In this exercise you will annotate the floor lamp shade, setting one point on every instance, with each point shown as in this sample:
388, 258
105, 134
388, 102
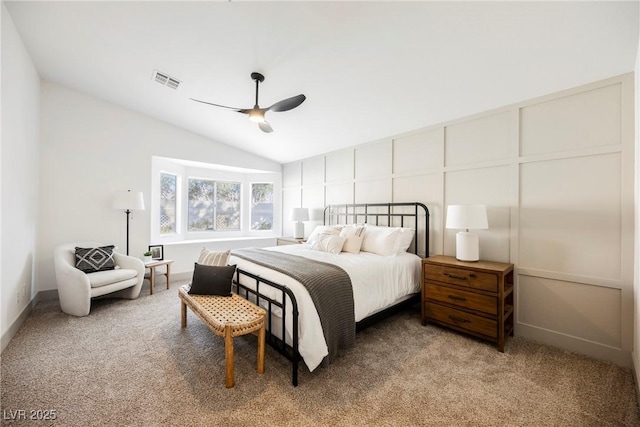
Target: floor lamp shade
128, 201
467, 217
299, 215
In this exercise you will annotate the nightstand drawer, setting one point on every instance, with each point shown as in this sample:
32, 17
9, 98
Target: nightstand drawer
462, 277
462, 319
460, 298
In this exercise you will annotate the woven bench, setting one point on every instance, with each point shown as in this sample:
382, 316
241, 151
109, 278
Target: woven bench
228, 317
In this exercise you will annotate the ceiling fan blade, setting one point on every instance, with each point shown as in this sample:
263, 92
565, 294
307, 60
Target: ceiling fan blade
218, 105
288, 104
265, 127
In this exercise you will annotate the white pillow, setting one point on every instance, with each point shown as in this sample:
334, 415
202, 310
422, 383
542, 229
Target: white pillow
354, 236
380, 240
331, 229
406, 237
329, 243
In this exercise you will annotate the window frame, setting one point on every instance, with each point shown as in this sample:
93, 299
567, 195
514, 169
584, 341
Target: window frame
273, 196
185, 171
177, 208
215, 202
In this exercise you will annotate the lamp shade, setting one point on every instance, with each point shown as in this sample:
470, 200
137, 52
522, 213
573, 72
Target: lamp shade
467, 217
127, 200
300, 214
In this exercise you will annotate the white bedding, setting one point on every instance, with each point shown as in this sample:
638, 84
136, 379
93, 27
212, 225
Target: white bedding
378, 281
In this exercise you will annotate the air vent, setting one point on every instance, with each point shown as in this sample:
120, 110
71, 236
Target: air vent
173, 83
165, 79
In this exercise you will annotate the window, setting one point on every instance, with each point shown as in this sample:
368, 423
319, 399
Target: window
168, 203
262, 206
199, 202
213, 205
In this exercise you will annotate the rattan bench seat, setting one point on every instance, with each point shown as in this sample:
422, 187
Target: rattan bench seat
227, 317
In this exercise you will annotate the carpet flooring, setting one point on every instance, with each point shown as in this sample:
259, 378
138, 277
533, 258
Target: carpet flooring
130, 364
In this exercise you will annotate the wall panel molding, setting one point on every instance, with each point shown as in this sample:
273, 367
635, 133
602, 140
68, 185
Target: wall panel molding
557, 175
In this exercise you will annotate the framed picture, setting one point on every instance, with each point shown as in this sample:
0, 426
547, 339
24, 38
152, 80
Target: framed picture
157, 252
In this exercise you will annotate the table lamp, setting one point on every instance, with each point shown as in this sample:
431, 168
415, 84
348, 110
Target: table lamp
467, 217
299, 215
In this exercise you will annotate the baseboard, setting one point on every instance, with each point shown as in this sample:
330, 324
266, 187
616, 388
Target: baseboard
636, 379
186, 275
17, 324
50, 295
614, 355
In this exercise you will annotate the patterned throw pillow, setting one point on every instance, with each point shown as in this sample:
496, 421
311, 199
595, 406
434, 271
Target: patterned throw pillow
91, 260
333, 230
328, 242
208, 257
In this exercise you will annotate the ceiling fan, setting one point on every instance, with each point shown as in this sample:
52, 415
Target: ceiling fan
256, 114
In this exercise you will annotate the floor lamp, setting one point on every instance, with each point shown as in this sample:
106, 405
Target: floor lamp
128, 201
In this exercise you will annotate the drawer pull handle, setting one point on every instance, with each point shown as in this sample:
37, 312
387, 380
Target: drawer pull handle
458, 319
455, 276
457, 298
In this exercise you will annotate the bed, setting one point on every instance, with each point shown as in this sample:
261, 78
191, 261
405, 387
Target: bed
312, 314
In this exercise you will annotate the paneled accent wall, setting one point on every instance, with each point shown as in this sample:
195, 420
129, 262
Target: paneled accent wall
556, 174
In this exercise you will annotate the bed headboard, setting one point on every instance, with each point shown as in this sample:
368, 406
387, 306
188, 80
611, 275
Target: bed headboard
409, 214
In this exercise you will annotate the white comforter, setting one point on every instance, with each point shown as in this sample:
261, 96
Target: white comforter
378, 282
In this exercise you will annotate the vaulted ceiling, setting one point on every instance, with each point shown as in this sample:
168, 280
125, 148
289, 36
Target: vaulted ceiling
369, 70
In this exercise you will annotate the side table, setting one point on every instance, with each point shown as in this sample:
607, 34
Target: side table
152, 272
282, 241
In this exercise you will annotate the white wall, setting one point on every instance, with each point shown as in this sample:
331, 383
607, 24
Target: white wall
90, 149
556, 173
19, 174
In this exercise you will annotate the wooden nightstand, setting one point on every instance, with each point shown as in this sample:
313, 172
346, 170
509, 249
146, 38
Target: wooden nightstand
471, 297
281, 241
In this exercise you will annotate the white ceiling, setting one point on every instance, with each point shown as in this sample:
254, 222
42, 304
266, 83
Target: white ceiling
369, 69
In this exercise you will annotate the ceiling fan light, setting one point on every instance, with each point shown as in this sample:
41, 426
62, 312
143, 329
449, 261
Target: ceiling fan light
256, 116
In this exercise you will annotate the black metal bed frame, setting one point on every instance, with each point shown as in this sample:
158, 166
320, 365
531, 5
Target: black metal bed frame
382, 212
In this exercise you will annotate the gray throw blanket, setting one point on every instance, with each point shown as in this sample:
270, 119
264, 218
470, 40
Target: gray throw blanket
329, 287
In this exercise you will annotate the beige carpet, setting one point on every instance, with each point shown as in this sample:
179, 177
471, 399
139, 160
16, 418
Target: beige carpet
130, 363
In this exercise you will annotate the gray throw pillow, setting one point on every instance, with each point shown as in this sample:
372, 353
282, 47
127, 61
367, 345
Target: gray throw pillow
212, 280
91, 260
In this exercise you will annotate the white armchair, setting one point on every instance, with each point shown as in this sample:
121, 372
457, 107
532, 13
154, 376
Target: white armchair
76, 288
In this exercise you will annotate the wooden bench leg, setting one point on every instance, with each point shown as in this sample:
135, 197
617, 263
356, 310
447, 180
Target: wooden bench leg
183, 314
228, 355
261, 340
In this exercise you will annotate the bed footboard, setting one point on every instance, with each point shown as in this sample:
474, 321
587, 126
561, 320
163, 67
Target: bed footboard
256, 294
277, 297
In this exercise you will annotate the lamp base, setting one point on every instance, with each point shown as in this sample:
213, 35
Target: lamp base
298, 230
467, 246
